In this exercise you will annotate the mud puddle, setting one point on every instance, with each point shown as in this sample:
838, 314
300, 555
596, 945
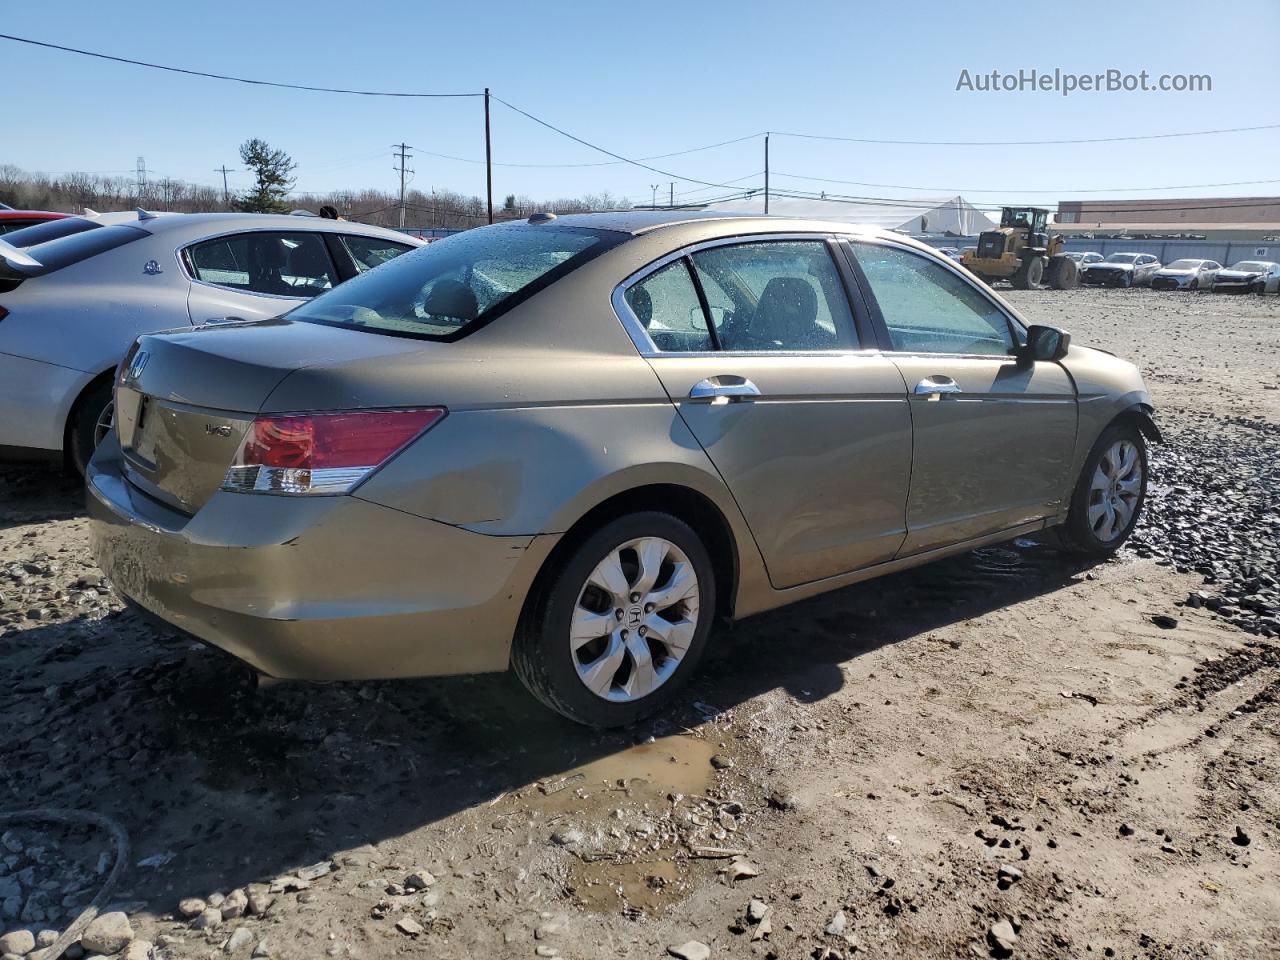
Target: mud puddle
647, 772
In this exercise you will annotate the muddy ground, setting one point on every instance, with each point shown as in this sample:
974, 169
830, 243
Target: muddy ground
1001, 744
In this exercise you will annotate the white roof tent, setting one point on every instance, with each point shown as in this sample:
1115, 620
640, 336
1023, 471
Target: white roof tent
953, 215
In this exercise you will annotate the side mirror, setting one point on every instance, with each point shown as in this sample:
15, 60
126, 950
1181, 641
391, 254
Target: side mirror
1044, 343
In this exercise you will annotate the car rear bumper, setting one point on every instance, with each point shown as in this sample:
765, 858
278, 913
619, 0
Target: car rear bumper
35, 398
314, 588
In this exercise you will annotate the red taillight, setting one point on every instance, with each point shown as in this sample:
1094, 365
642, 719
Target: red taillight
322, 452
3, 313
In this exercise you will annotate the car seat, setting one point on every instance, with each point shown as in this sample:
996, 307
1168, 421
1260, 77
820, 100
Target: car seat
786, 317
266, 257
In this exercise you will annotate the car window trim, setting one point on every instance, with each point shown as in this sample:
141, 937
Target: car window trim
1016, 329
188, 267
647, 348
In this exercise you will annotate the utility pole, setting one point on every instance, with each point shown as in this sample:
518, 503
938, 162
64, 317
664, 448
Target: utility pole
402, 153
766, 173
653, 200
488, 156
226, 194
672, 201
142, 179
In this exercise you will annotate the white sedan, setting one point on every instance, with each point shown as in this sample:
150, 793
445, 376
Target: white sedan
1186, 275
76, 292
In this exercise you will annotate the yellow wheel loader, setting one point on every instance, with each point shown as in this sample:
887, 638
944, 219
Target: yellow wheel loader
1022, 252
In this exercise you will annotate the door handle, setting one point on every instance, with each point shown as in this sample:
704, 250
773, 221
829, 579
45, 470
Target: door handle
726, 388
933, 387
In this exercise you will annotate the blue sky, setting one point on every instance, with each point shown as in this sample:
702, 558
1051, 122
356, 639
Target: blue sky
650, 79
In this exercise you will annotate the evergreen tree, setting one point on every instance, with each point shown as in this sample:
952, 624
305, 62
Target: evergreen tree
272, 169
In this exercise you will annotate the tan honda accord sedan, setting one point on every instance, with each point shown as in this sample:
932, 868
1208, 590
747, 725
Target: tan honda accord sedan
567, 446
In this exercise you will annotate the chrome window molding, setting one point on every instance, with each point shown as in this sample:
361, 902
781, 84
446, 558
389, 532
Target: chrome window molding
640, 336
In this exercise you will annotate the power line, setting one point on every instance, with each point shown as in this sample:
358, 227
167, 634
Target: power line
907, 202
1024, 143
608, 153
223, 76
599, 163
1015, 192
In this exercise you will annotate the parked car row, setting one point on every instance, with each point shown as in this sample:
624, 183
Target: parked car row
76, 291
1144, 269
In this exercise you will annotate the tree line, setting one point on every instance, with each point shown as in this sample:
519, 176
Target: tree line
272, 192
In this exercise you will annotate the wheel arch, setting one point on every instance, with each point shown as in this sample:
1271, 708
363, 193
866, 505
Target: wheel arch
1140, 416
73, 411
696, 509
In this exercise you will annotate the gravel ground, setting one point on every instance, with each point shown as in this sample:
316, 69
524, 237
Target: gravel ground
1001, 754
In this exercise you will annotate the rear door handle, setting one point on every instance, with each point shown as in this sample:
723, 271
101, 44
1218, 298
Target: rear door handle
726, 388
933, 387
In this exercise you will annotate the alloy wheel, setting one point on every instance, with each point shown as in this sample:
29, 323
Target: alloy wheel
1115, 490
106, 420
634, 619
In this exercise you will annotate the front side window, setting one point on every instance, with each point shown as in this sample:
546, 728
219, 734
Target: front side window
666, 304
267, 262
775, 295
928, 308
369, 252
458, 283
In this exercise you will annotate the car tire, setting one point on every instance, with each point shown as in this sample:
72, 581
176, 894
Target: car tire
601, 679
1195, 285
1029, 274
92, 418
1109, 494
1127, 281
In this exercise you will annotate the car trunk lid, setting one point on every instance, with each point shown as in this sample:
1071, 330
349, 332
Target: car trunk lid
184, 401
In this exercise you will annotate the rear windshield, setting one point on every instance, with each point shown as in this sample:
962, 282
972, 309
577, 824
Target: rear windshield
49, 230
457, 284
65, 251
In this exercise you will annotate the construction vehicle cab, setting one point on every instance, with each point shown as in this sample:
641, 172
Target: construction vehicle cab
1022, 252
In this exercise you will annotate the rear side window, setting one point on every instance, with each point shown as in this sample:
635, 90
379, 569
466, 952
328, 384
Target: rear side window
265, 262
66, 251
369, 252
929, 309
666, 304
444, 291
49, 230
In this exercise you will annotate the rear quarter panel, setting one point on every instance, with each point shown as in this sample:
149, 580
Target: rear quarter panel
86, 315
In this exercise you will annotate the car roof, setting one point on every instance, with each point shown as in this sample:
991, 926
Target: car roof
638, 222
